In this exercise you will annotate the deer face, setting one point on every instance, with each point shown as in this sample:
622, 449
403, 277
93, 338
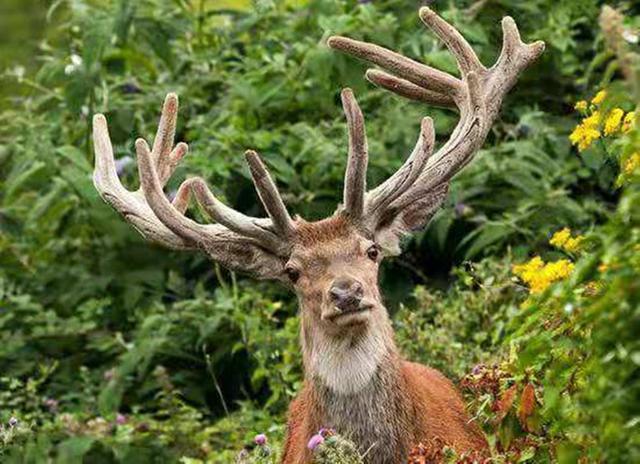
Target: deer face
334, 271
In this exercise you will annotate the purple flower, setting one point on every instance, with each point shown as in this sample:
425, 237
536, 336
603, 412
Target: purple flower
460, 209
260, 439
171, 195
315, 441
51, 404
13, 422
477, 369
121, 419
326, 432
122, 163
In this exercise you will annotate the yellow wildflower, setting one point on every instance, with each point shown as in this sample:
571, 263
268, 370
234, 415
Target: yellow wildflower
612, 123
573, 244
527, 270
631, 164
564, 241
581, 106
629, 121
539, 276
585, 133
592, 121
560, 237
599, 98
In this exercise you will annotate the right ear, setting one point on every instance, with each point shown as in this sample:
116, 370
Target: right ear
409, 219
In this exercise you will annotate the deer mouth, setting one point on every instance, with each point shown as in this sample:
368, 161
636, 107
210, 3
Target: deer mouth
351, 315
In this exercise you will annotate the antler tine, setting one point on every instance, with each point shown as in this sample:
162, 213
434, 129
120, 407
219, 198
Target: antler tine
158, 202
465, 56
379, 198
129, 204
269, 195
163, 141
407, 89
222, 214
406, 68
355, 178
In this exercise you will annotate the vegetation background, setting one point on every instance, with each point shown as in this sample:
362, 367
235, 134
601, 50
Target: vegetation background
116, 351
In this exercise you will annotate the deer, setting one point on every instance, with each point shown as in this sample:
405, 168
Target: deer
355, 379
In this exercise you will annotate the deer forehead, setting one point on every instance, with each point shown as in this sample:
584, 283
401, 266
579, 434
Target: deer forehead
325, 242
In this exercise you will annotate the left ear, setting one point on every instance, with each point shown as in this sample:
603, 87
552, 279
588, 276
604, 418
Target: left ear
409, 219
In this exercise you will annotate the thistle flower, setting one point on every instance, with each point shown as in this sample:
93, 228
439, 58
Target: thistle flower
315, 441
109, 375
51, 404
121, 419
260, 439
477, 369
122, 163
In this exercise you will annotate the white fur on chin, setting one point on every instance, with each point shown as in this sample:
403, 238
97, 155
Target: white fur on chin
347, 364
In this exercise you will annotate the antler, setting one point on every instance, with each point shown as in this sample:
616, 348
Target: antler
413, 194
236, 236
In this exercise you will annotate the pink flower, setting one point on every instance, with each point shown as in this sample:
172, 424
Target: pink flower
51, 404
121, 419
326, 432
315, 441
260, 439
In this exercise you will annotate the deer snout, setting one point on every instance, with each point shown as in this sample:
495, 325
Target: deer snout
346, 293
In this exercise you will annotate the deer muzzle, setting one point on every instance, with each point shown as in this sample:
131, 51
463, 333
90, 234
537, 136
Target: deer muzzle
346, 294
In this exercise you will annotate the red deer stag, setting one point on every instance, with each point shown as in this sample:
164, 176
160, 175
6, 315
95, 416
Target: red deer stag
356, 381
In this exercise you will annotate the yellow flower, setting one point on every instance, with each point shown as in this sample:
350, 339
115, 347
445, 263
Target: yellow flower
564, 241
581, 105
592, 121
539, 276
631, 164
585, 133
573, 244
629, 121
612, 123
560, 237
599, 98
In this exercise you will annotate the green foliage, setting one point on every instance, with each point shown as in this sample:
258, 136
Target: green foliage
116, 350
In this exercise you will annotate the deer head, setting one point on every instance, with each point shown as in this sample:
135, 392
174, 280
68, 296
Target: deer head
331, 264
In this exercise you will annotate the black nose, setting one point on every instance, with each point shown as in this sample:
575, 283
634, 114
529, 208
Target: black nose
346, 293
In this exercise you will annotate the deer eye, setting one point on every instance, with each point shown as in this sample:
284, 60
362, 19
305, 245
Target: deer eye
373, 252
292, 273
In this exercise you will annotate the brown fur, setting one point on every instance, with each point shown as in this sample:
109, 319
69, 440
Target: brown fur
423, 406
355, 380
311, 233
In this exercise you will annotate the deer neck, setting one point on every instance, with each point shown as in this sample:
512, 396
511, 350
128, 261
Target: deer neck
377, 417
348, 363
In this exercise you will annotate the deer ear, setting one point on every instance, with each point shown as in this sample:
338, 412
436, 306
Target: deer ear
408, 219
248, 258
